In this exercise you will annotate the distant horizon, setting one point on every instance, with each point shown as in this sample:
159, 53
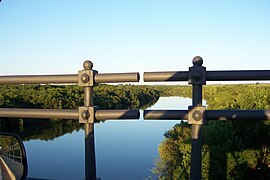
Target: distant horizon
56, 37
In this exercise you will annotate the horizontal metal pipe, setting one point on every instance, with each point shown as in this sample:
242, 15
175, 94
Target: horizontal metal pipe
166, 114
247, 75
135, 77
117, 77
134, 114
116, 114
166, 76
39, 113
241, 75
210, 114
39, 79
238, 114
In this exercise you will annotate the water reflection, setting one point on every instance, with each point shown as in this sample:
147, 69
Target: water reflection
125, 149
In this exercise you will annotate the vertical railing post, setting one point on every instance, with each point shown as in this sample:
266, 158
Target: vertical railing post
197, 77
86, 79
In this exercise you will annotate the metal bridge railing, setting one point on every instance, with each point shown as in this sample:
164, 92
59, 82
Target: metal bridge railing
88, 114
197, 114
13, 152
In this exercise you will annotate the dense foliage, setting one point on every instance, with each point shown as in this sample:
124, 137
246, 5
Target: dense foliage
66, 97
125, 96
71, 97
173, 90
232, 149
240, 96
249, 96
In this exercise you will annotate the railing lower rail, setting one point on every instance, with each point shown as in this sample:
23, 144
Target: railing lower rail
87, 114
100, 115
197, 114
209, 114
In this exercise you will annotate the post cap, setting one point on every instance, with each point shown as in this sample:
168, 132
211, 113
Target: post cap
87, 64
197, 61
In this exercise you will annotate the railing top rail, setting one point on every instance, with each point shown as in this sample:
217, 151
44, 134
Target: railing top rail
69, 78
73, 78
39, 79
117, 77
231, 75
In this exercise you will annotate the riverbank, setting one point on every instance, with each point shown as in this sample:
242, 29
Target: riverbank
66, 97
232, 149
71, 96
234, 96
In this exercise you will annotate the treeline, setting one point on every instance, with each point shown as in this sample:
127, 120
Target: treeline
232, 149
66, 97
125, 96
173, 90
71, 97
238, 96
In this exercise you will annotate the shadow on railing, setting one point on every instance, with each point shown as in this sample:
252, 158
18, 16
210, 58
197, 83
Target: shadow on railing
196, 114
87, 114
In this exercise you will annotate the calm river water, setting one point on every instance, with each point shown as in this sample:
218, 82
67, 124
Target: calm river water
125, 149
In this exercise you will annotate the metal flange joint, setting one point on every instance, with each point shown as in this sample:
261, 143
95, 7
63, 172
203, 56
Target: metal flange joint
87, 114
196, 115
86, 77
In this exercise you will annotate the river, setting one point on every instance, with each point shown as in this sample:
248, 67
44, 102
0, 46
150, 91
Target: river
125, 149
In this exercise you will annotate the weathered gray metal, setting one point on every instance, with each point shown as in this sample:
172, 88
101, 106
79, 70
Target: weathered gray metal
196, 115
69, 78
166, 76
83, 78
86, 80
39, 79
87, 114
247, 75
39, 113
117, 77
237, 115
235, 75
209, 114
197, 77
117, 114
166, 114
100, 115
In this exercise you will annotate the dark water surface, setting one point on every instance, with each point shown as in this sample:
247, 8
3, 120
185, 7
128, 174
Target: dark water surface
125, 149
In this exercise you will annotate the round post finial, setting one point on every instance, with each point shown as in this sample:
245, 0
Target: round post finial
87, 64
197, 61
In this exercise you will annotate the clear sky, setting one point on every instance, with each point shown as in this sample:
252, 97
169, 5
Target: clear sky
56, 36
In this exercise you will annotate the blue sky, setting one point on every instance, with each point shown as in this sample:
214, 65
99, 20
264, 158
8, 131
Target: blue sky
49, 36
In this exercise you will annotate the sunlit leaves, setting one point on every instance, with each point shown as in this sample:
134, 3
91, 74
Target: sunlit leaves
232, 149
